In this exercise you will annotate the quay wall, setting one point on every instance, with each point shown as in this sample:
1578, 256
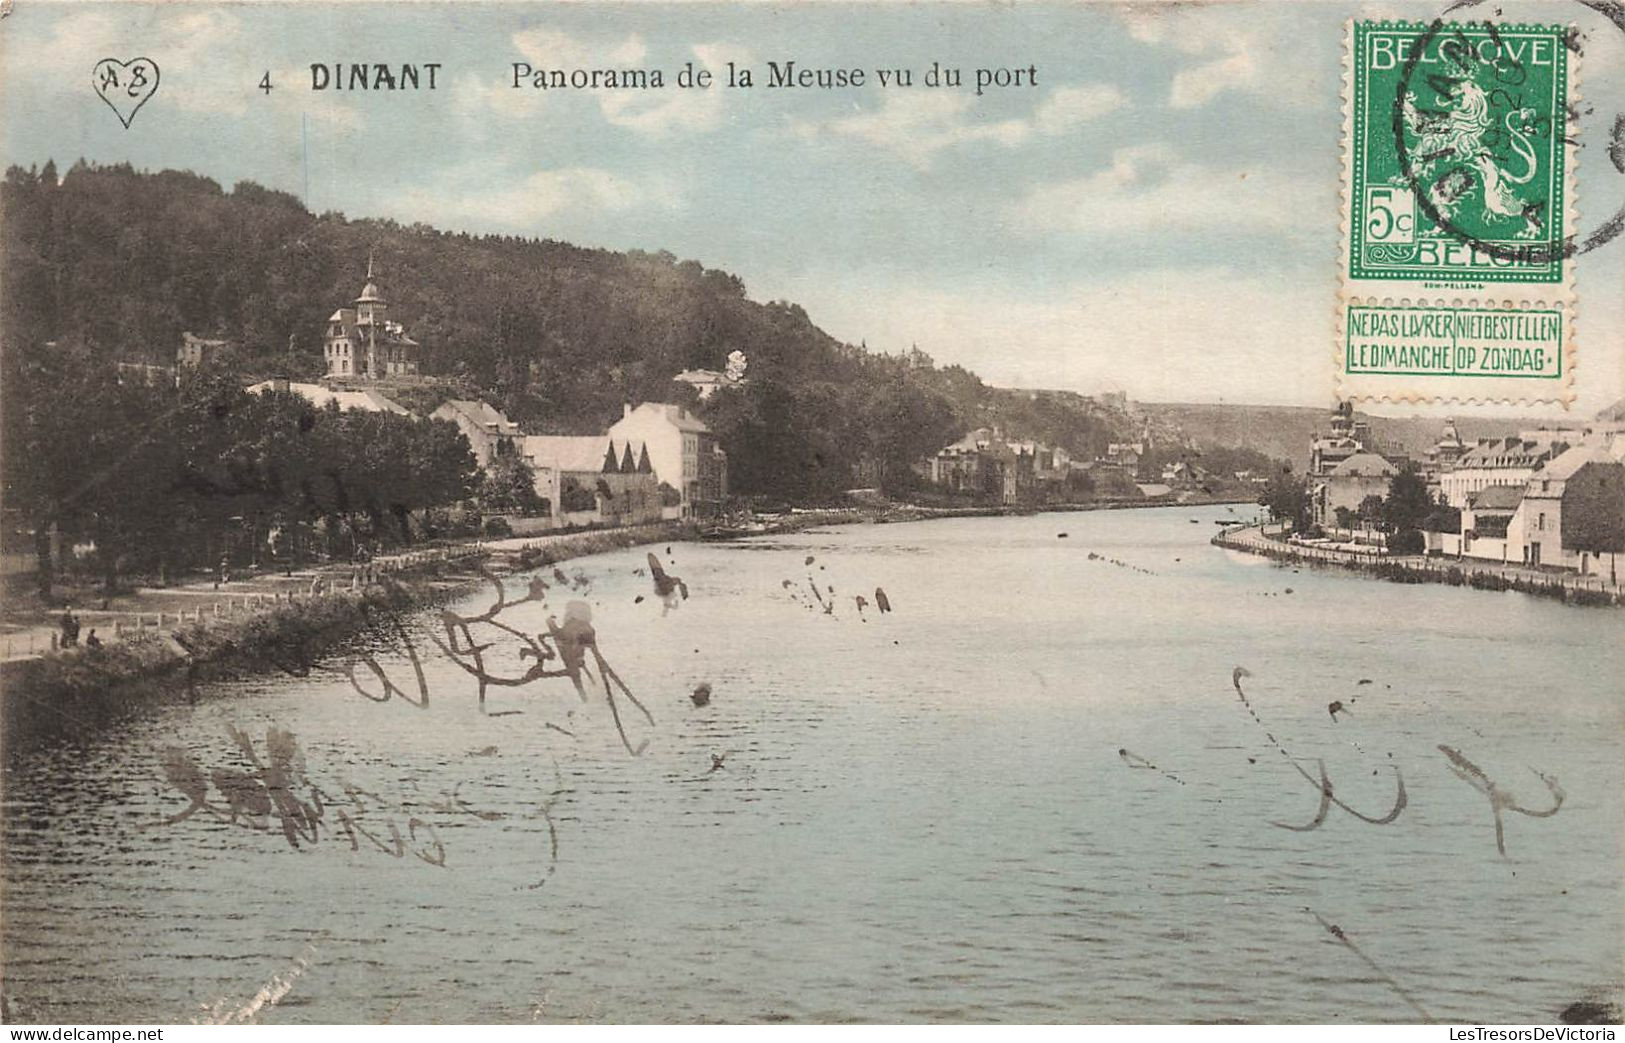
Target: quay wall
1569, 587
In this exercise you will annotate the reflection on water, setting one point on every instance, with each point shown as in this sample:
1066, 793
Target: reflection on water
1036, 789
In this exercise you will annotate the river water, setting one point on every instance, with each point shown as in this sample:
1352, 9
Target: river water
1029, 792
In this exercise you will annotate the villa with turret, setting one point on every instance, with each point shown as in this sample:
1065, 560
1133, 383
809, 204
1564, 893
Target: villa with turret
362, 342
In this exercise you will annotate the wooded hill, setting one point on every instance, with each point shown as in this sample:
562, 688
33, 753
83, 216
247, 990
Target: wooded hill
117, 263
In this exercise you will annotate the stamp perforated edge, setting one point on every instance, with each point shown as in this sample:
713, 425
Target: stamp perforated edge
1487, 389
1562, 295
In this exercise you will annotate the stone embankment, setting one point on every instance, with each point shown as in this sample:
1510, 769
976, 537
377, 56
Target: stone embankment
1563, 585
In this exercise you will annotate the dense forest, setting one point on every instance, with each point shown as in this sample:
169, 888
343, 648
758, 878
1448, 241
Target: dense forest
113, 264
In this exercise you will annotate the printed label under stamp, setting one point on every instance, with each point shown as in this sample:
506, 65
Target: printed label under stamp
1458, 198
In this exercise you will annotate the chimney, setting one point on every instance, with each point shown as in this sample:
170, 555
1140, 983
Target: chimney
626, 410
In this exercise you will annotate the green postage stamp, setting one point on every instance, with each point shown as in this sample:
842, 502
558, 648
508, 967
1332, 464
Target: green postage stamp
1458, 200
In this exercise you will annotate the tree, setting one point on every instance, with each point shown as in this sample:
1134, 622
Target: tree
1443, 517
509, 487
1286, 497
1594, 508
1407, 502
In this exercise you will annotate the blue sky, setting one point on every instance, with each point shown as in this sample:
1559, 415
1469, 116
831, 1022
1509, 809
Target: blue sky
1158, 215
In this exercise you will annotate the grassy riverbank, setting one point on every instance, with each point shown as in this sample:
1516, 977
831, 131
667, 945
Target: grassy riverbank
74, 690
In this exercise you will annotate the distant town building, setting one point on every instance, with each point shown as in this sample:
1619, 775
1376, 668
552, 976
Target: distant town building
145, 373
1182, 474
490, 434
707, 382
1125, 454
195, 351
322, 397
1347, 484
968, 467
363, 342
1495, 461
1108, 480
1074, 399
986, 464
682, 450
1448, 449
1347, 437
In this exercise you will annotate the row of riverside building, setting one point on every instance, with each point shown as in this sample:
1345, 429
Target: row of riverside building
987, 465
1550, 497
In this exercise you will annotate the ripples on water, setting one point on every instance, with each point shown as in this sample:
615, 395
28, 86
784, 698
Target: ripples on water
920, 816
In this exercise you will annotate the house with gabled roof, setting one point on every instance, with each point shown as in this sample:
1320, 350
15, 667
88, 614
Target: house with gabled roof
589, 479
489, 432
1572, 515
682, 450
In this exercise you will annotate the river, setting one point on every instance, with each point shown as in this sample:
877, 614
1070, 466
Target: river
1032, 791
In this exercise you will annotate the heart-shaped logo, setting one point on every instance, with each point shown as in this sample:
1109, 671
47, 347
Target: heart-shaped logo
125, 86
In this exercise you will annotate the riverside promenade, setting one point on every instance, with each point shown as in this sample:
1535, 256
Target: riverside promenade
1419, 568
156, 610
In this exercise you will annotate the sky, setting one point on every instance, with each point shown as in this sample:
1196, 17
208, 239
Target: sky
1157, 215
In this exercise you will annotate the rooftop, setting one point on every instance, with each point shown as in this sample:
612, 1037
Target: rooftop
1367, 465
567, 452
321, 397
1496, 498
679, 417
1509, 452
1569, 461
482, 413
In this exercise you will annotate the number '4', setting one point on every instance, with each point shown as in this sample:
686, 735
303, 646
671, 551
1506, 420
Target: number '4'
265, 82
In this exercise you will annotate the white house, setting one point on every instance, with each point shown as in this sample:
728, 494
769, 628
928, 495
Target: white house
682, 450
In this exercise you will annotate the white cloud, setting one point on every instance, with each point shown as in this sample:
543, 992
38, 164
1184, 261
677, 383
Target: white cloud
1152, 187
676, 110
541, 195
1235, 48
475, 95
1197, 85
918, 125
1069, 107
551, 49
